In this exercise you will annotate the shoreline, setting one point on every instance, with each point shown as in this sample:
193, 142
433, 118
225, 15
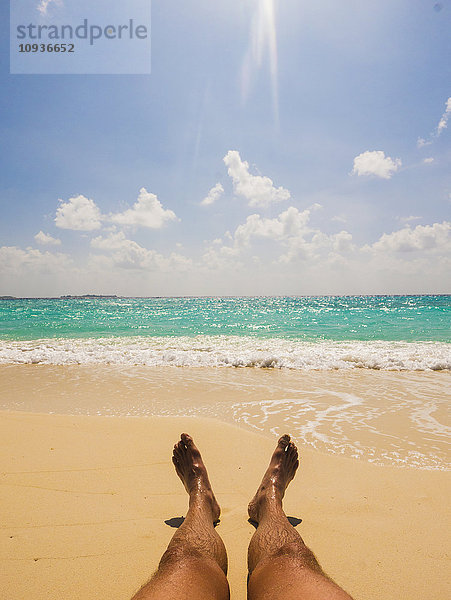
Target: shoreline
83, 498
377, 416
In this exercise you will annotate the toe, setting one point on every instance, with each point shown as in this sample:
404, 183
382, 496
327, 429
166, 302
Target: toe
291, 449
176, 464
186, 439
178, 453
284, 441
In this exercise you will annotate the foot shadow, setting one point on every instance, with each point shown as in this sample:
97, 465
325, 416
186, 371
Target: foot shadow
294, 521
177, 521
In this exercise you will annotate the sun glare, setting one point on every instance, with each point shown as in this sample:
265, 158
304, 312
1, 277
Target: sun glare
262, 45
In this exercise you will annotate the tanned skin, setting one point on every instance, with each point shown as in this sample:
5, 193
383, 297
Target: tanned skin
194, 566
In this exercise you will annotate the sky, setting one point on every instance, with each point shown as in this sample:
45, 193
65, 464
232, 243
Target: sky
276, 148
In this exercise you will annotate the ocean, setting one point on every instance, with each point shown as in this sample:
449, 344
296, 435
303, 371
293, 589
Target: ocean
375, 332
364, 376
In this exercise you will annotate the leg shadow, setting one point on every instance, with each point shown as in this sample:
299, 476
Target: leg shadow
177, 521
294, 521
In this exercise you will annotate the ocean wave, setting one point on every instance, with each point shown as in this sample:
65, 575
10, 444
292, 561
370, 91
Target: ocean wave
230, 351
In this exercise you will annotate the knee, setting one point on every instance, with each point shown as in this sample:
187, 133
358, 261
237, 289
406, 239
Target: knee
178, 555
298, 552
295, 553
192, 570
181, 557
183, 575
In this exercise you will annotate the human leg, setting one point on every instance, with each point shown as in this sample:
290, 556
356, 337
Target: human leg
194, 565
280, 564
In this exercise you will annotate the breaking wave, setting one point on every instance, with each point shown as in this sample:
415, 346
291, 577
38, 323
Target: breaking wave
231, 351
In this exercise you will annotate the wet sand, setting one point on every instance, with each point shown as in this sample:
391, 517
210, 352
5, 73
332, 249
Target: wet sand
384, 417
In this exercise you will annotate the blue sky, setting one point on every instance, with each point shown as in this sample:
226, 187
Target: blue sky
322, 129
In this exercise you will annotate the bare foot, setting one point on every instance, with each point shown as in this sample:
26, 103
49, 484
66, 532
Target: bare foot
193, 473
281, 470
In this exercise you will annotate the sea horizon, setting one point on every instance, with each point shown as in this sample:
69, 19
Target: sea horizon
88, 295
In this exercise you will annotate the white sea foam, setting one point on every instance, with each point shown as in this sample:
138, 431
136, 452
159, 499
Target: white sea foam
352, 425
231, 351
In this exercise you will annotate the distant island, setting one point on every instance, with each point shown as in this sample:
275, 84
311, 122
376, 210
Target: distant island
66, 297
69, 297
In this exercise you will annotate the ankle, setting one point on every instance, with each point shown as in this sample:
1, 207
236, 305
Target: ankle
269, 505
270, 494
201, 500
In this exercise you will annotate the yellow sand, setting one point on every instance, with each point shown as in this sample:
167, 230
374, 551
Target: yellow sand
408, 408
84, 502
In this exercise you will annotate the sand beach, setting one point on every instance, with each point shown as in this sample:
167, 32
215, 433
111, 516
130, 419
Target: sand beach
89, 501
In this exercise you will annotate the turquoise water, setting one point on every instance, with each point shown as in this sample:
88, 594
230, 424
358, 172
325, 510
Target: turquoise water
372, 332
362, 318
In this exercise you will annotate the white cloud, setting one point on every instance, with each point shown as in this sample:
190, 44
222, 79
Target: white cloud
82, 214
213, 195
256, 189
409, 219
287, 229
129, 254
16, 259
115, 241
32, 272
78, 213
146, 212
375, 163
316, 206
443, 123
421, 142
340, 242
321, 246
290, 230
44, 4
290, 223
46, 239
124, 252
428, 161
221, 258
422, 238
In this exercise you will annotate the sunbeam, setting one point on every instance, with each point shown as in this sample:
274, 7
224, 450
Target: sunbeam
262, 42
